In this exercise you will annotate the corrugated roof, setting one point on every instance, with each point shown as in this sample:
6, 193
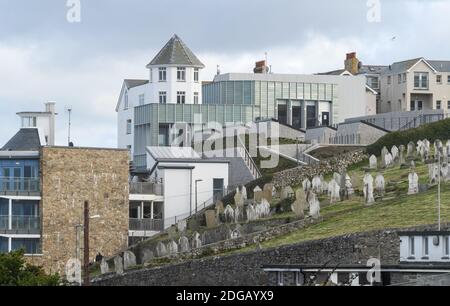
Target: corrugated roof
159, 153
175, 52
24, 140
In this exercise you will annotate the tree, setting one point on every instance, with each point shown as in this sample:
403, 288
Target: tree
14, 271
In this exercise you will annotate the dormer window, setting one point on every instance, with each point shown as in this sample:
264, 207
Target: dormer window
162, 74
181, 74
29, 122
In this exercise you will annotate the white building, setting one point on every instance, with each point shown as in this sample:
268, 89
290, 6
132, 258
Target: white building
44, 122
425, 247
174, 78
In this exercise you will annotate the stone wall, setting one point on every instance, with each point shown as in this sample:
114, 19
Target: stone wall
245, 269
71, 176
295, 176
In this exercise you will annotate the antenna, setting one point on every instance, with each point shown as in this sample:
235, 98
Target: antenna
69, 111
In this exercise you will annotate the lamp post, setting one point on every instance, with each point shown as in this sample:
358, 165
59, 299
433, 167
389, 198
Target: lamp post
438, 153
196, 202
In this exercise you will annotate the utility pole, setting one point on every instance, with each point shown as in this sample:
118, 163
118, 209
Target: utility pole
438, 153
196, 202
86, 281
69, 110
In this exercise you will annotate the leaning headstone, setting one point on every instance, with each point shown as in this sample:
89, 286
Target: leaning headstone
380, 185
368, 189
314, 207
373, 163
129, 260
306, 185
172, 247
118, 265
184, 244
196, 241
413, 179
104, 266
257, 194
298, 207
229, 214
268, 192
161, 250
317, 184
394, 152
211, 218
239, 199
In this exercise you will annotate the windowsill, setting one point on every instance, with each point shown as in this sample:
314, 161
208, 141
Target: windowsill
445, 258
411, 257
425, 258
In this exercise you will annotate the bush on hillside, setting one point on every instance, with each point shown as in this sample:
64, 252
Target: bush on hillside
436, 130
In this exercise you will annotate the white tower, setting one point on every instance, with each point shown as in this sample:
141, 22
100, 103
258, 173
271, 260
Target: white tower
43, 121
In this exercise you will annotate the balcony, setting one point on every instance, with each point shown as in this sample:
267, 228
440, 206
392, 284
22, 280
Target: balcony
20, 225
147, 188
146, 225
19, 186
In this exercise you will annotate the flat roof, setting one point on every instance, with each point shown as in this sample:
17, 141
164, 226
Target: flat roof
277, 77
170, 153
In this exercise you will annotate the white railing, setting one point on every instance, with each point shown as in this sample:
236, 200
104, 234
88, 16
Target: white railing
249, 162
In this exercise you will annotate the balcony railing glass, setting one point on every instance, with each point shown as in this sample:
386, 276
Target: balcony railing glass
20, 224
147, 188
146, 225
19, 185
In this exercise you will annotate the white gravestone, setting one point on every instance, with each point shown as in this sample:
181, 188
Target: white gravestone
413, 179
380, 184
368, 189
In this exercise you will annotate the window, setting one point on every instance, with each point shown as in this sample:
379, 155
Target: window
162, 74
389, 80
446, 246
373, 82
218, 188
399, 78
404, 77
419, 105
413, 105
181, 97
29, 245
128, 126
412, 248
426, 251
29, 122
195, 97
141, 99
125, 103
4, 245
280, 278
421, 80
438, 104
181, 74
196, 73
162, 97
439, 79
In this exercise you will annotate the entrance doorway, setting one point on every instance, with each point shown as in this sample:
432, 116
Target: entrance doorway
297, 117
325, 118
310, 116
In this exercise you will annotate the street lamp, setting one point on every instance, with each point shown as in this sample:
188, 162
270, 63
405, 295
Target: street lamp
196, 203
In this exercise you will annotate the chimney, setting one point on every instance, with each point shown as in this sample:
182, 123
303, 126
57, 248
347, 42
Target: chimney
261, 67
50, 108
351, 63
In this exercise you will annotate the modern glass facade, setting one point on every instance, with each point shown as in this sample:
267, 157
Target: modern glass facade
19, 176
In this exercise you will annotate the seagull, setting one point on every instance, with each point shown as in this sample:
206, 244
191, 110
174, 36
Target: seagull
394, 38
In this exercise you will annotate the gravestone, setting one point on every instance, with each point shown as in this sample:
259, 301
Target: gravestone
433, 173
257, 194
235, 233
334, 189
394, 152
229, 214
184, 244
368, 189
410, 150
314, 207
104, 266
239, 200
262, 209
219, 208
349, 186
118, 265
196, 241
384, 152
413, 180
147, 255
380, 185
298, 207
401, 155
317, 184
129, 260
268, 192
306, 185
172, 247
161, 250
287, 193
337, 177
181, 225
211, 218
324, 186
389, 161
238, 214
251, 213
373, 162
244, 192
445, 172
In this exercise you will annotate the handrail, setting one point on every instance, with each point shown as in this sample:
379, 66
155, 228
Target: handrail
248, 159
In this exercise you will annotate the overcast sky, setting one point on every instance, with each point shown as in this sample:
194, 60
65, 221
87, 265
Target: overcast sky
44, 57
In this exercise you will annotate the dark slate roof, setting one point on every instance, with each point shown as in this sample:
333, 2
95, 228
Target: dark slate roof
175, 52
24, 140
135, 83
334, 72
375, 69
441, 66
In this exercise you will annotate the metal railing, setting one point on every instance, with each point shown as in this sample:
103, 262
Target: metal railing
146, 225
423, 119
20, 224
251, 165
147, 188
19, 185
349, 139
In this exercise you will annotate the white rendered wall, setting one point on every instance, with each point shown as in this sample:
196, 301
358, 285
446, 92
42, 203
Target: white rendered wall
436, 252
